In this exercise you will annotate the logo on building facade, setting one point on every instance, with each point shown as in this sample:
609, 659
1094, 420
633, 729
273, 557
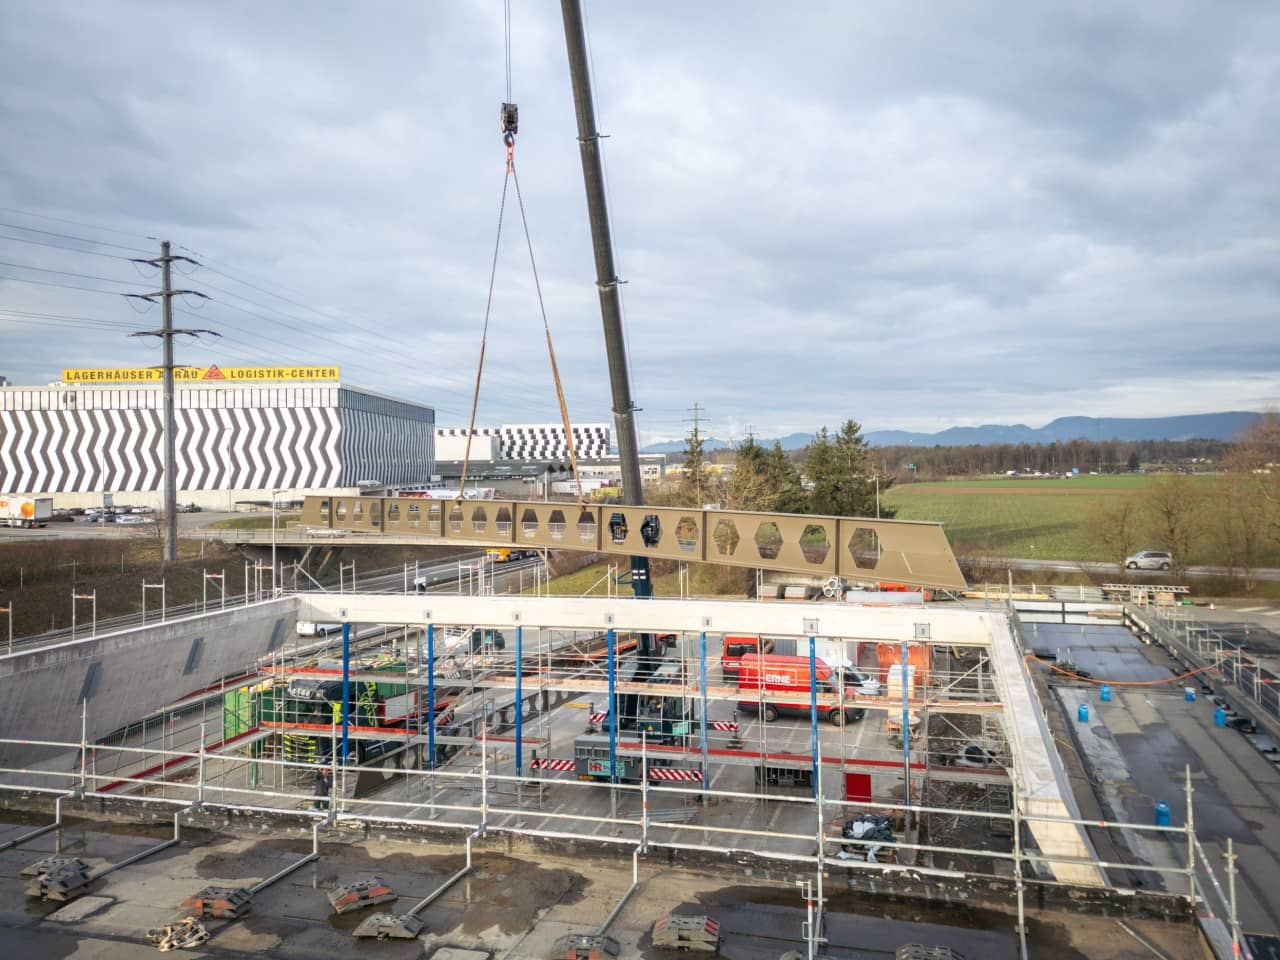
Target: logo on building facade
198, 374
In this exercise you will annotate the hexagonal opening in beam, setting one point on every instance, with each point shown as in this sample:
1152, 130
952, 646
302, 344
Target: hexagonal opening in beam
556, 524
768, 540
529, 523
687, 534
586, 526
618, 527
479, 520
651, 530
455, 519
864, 548
726, 537
814, 544
502, 522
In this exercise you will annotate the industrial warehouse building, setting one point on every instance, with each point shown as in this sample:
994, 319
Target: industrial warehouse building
527, 442
242, 433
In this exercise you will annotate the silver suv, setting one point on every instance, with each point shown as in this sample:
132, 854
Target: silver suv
1149, 560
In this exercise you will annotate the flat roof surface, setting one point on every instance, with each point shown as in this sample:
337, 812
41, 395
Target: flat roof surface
1137, 747
511, 906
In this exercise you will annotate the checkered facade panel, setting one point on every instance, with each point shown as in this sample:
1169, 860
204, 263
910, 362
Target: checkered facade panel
538, 441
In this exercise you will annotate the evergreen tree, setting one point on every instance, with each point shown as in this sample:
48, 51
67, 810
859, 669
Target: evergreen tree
765, 480
841, 471
694, 485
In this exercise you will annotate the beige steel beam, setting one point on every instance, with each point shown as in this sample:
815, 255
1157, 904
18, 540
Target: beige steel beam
909, 552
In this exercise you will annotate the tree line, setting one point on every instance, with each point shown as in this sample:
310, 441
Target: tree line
835, 475
1106, 456
1231, 518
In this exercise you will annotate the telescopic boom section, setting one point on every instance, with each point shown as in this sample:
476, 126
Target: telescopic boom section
606, 274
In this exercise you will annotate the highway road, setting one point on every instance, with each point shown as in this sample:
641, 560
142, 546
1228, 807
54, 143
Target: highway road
1109, 569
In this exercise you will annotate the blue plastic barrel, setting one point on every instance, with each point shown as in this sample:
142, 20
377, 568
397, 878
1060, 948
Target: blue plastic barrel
1082, 713
1104, 692
1162, 814
1190, 694
1219, 717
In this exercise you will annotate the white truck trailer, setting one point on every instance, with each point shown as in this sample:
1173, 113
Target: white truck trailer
29, 512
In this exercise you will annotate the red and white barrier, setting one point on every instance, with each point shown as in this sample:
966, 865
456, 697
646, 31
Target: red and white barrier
675, 774
549, 763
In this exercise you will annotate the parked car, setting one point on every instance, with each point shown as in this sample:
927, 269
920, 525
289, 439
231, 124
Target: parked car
133, 518
862, 683
1149, 560
973, 755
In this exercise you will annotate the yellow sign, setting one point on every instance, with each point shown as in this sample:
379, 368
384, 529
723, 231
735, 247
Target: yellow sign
212, 374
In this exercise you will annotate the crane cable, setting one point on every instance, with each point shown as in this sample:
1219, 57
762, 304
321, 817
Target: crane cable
509, 129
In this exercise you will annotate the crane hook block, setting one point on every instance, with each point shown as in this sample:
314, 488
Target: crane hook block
510, 120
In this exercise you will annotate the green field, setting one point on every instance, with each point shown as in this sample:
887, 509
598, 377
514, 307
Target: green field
1026, 518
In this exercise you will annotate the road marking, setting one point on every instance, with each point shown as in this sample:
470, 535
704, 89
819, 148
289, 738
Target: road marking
1255, 610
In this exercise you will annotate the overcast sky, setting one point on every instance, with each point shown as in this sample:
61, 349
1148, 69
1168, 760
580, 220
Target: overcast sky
917, 215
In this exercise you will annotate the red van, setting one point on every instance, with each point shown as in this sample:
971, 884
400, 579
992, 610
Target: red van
735, 647
790, 675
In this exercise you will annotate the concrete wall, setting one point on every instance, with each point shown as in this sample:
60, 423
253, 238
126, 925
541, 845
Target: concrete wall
127, 675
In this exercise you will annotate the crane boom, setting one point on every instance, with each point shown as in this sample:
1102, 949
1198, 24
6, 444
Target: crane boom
624, 408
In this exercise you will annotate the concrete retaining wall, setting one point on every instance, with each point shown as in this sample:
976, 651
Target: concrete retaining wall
126, 675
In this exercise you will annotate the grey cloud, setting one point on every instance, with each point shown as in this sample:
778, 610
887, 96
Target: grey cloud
914, 215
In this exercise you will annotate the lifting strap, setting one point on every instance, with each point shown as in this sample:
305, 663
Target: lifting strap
510, 122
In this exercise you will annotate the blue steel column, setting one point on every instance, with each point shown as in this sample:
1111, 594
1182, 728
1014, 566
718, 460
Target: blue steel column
813, 709
431, 695
613, 708
346, 689
519, 697
702, 667
906, 729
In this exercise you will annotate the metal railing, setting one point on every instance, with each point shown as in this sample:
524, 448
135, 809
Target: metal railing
1202, 642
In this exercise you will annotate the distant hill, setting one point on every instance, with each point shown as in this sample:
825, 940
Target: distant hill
792, 441
1200, 426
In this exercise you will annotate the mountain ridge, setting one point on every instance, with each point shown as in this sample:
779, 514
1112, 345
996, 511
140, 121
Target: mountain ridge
1225, 425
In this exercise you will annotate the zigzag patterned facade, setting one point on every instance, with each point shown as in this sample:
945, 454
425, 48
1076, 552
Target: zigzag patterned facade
87, 440
528, 442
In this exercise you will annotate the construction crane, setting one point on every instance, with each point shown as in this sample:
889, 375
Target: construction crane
624, 408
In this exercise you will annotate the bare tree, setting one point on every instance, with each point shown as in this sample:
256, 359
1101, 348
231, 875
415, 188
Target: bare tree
1173, 506
1247, 498
1115, 525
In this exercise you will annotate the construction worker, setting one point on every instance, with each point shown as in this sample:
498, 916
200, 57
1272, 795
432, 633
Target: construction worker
324, 781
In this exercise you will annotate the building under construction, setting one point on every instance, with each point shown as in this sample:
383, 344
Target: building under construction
537, 717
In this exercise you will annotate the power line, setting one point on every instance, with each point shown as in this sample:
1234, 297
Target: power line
65, 286
67, 236
51, 322
74, 223
70, 273
58, 246
297, 303
34, 315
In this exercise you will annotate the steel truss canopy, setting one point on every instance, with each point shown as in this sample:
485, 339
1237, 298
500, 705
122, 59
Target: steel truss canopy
853, 548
